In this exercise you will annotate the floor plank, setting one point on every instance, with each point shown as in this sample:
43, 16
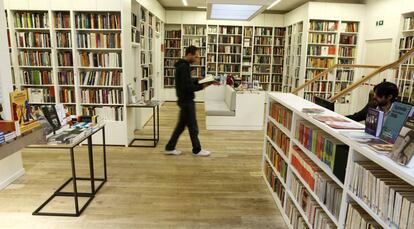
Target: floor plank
147, 189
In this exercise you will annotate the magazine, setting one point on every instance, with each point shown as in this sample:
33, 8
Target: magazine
403, 149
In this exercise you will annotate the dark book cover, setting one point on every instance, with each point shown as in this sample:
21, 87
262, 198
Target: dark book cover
395, 121
374, 122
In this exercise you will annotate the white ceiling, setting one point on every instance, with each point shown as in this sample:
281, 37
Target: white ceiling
284, 5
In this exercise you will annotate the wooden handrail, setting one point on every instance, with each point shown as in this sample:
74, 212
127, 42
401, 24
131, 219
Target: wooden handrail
326, 71
392, 65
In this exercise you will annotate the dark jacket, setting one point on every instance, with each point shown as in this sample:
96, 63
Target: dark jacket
185, 86
362, 114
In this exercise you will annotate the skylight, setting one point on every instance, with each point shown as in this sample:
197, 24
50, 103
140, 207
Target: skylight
233, 12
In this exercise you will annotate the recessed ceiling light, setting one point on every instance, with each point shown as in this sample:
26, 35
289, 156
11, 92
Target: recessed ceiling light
273, 4
202, 7
185, 3
233, 11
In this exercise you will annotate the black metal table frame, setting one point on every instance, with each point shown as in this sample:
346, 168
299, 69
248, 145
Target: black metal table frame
155, 127
75, 194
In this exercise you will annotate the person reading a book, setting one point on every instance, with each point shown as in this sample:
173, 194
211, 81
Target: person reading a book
185, 88
385, 94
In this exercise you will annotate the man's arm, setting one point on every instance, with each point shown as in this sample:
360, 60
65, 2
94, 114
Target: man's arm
360, 115
189, 84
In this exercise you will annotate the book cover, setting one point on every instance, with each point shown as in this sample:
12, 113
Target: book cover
36, 95
51, 115
20, 106
395, 121
374, 122
403, 149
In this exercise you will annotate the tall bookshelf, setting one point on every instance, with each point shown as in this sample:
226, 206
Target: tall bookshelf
308, 186
278, 59
196, 35
404, 76
293, 56
10, 41
229, 50
212, 49
172, 53
247, 58
262, 56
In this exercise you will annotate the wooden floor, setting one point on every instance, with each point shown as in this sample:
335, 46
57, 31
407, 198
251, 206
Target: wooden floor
147, 189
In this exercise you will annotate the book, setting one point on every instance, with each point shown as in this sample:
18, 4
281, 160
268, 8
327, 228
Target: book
395, 121
207, 79
374, 122
403, 149
51, 116
35, 95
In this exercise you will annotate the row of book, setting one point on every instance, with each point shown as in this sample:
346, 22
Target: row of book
314, 62
34, 58
91, 59
326, 190
386, 194
407, 42
296, 219
31, 20
230, 39
135, 36
276, 87
408, 23
172, 53
194, 30
230, 30
323, 25
173, 34
314, 213
41, 95
172, 44
228, 68
345, 75
212, 30
349, 27
32, 40
263, 41
348, 39
170, 62
63, 40
212, 39
262, 59
169, 72
211, 58
102, 96
347, 51
198, 42
329, 150
65, 59
320, 86
281, 114
62, 20
36, 77
106, 113
228, 59
278, 60
278, 137
277, 161
248, 31
261, 78
98, 21
67, 95
261, 69
229, 49
99, 40
339, 86
274, 182
278, 41
66, 78
169, 82
317, 38
321, 50
101, 78
263, 50
358, 218
263, 31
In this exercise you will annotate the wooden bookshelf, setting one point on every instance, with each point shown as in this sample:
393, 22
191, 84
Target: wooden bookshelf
301, 177
403, 76
172, 53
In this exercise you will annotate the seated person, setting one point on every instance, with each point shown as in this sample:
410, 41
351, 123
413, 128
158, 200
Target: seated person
385, 94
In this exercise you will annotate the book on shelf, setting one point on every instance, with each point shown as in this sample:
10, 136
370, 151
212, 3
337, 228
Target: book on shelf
102, 96
329, 150
278, 137
67, 95
31, 19
317, 38
408, 23
41, 95
230, 30
109, 59
406, 42
349, 27
314, 62
346, 39
338, 122
33, 40
101, 78
36, 77
322, 50
347, 51
98, 20
65, 59
358, 218
281, 114
66, 78
263, 31
374, 122
323, 25
277, 161
106, 113
62, 20
99, 40
274, 182
194, 30
173, 34
34, 58
403, 149
63, 40
248, 31
295, 217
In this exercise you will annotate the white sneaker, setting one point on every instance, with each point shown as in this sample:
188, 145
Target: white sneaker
202, 153
172, 152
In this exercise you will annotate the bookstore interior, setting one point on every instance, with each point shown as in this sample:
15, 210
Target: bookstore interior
306, 106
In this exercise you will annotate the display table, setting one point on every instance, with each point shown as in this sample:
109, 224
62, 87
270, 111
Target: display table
74, 179
285, 174
155, 106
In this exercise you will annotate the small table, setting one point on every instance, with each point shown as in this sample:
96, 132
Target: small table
75, 194
155, 105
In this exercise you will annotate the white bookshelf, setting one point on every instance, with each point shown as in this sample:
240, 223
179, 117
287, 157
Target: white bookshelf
293, 56
196, 35
357, 154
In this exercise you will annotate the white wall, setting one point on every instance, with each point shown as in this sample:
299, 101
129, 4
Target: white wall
154, 6
296, 15
200, 17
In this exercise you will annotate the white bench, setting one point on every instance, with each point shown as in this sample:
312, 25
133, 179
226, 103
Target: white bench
227, 109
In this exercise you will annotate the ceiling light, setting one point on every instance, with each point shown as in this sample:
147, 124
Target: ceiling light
185, 3
273, 4
201, 7
233, 11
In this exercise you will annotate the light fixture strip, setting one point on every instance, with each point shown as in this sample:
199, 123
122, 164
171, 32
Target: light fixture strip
185, 2
273, 4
